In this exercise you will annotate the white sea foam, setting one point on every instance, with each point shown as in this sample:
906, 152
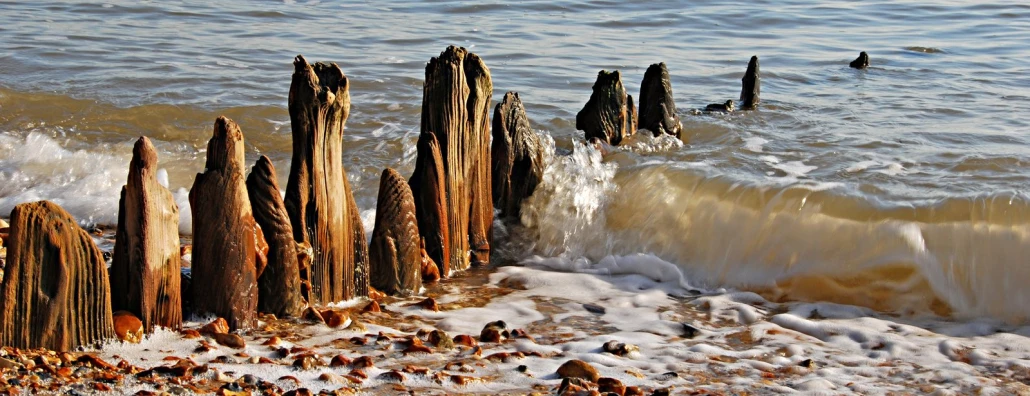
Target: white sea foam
754, 144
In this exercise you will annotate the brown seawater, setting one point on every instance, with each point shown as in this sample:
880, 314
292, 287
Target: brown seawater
901, 187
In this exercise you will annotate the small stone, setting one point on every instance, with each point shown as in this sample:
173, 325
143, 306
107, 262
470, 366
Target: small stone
249, 379
363, 362
330, 378
610, 385
807, 363
522, 368
391, 376
372, 307
339, 361
619, 349
428, 304
128, 327
272, 341
594, 308
690, 331
306, 362
224, 360
312, 314
494, 332
440, 339
461, 380
334, 319
661, 392
417, 349
299, 392
465, 339
229, 340
190, 334
217, 326
578, 369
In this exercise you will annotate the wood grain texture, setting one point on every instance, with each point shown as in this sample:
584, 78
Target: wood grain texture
609, 115
55, 292
395, 250
657, 107
318, 199
428, 186
225, 234
517, 156
455, 107
145, 267
279, 284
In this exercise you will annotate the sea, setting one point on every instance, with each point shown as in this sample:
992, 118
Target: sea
901, 188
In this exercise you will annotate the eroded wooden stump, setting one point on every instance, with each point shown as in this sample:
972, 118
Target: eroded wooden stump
455, 106
609, 115
279, 284
318, 199
751, 86
145, 268
517, 156
657, 107
55, 291
861, 62
428, 186
395, 251
225, 235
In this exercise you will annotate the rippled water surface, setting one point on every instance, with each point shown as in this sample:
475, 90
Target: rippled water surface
909, 178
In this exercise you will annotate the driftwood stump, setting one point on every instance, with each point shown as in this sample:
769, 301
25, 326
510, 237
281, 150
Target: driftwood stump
428, 186
55, 291
279, 285
225, 234
318, 199
361, 263
145, 269
518, 158
395, 250
455, 106
657, 107
609, 115
751, 86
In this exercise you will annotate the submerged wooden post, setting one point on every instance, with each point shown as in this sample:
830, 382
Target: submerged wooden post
318, 199
428, 186
609, 115
657, 107
751, 86
455, 107
395, 250
518, 158
225, 235
145, 268
279, 285
55, 291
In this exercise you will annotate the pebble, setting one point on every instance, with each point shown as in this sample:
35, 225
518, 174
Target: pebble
128, 327
578, 369
690, 331
217, 326
440, 339
428, 304
594, 308
230, 340
618, 348
611, 385
495, 331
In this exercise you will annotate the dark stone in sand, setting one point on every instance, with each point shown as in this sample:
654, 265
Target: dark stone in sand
495, 331
657, 107
609, 115
610, 385
690, 331
518, 158
318, 196
55, 290
861, 62
594, 308
146, 263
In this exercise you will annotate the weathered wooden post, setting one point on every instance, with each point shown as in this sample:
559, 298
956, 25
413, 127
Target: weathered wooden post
751, 86
145, 269
609, 115
657, 107
517, 156
395, 250
428, 186
55, 292
279, 285
226, 237
318, 197
455, 107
